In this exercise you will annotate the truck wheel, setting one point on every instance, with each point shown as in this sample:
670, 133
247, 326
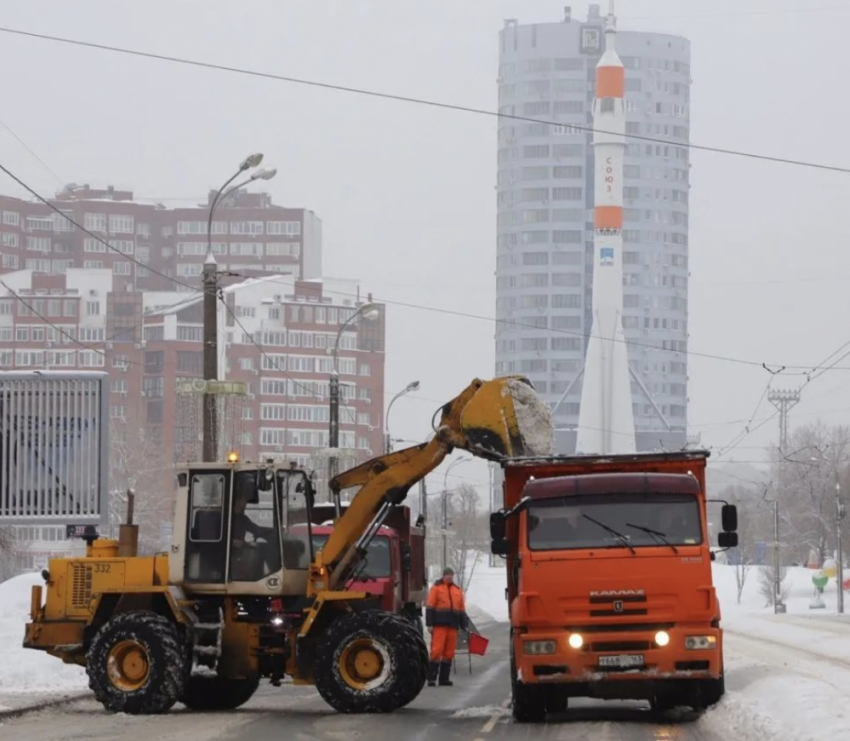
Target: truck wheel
218, 693
368, 662
529, 703
137, 664
557, 702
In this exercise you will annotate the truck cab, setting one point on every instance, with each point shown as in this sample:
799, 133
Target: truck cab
609, 581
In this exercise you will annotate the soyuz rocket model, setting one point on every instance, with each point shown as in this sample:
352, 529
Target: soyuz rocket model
606, 422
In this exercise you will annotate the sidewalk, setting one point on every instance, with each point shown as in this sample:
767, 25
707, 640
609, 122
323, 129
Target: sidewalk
12, 704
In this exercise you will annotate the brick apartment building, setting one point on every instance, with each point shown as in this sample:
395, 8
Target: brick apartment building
277, 330
250, 235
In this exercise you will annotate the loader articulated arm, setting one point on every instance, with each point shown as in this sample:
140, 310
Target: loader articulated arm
495, 419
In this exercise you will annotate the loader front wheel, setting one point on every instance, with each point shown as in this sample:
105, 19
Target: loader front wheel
369, 662
218, 693
137, 664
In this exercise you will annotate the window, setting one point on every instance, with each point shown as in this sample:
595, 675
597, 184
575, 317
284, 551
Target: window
187, 333
566, 194
11, 218
365, 369
567, 130
189, 270
271, 387
91, 359
93, 245
535, 173
273, 362
10, 239
535, 216
251, 249
567, 171
566, 322
272, 412
302, 363
283, 249
22, 334
572, 280
538, 108
120, 224
191, 227
535, 302
39, 266
533, 344
631, 171
566, 301
38, 244
275, 339
535, 258
563, 236
567, 150
246, 227
568, 106
289, 228
560, 344
88, 334
124, 246
535, 150
121, 268
533, 366
95, 222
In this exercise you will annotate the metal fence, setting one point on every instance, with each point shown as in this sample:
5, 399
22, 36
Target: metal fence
53, 447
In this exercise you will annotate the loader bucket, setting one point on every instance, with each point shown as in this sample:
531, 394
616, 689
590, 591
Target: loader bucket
506, 418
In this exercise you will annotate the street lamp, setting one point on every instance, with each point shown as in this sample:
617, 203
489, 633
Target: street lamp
412, 386
444, 510
211, 286
839, 512
367, 311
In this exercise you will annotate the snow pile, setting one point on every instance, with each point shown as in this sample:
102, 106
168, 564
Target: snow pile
485, 711
26, 670
533, 419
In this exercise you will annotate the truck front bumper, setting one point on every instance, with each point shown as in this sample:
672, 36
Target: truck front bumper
596, 658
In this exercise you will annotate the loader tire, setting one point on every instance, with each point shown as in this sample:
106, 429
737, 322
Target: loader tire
218, 693
137, 664
416, 639
369, 662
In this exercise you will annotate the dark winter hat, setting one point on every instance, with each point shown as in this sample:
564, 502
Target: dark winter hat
448, 571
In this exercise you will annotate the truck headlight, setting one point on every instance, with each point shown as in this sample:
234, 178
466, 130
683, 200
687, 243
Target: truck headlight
696, 643
662, 638
576, 641
539, 648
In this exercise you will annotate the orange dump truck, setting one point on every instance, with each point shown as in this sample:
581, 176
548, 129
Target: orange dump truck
609, 581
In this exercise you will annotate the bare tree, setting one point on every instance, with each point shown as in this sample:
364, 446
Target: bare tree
767, 584
139, 462
468, 532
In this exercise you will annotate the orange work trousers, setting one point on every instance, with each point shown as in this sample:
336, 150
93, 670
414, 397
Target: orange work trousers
443, 643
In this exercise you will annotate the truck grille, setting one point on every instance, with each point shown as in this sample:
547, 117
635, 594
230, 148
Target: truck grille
620, 646
81, 585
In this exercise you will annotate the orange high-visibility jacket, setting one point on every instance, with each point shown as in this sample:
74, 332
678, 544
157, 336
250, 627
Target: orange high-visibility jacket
446, 607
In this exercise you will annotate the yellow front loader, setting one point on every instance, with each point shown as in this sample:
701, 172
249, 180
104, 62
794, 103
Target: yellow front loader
242, 596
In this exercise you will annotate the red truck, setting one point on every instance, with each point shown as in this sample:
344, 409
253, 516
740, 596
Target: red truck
609, 581
395, 560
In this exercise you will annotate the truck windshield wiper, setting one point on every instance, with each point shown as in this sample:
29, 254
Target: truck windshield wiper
624, 539
655, 534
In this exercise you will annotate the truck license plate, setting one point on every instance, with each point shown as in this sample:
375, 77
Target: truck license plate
623, 661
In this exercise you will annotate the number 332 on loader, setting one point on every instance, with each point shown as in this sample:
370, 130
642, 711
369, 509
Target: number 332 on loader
242, 597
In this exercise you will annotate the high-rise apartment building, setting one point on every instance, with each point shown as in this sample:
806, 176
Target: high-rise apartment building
545, 218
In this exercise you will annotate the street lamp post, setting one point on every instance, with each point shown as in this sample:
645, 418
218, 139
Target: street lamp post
412, 386
367, 311
211, 286
444, 512
839, 511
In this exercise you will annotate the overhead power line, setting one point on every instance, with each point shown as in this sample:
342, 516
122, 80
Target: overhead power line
411, 99
32, 153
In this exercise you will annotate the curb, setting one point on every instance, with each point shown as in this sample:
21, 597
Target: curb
27, 709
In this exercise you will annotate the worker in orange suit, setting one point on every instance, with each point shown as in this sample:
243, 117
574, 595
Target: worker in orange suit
445, 615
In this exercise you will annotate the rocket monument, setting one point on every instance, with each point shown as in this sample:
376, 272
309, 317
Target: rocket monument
606, 422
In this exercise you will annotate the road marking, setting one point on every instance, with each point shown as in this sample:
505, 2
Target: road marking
490, 724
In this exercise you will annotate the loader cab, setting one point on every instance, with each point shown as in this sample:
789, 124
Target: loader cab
232, 530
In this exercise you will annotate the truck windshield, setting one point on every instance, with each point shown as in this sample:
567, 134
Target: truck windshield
377, 565
614, 521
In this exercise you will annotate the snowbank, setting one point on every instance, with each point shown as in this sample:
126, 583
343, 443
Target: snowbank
25, 670
485, 595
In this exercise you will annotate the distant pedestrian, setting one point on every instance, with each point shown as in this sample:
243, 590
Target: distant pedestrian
445, 615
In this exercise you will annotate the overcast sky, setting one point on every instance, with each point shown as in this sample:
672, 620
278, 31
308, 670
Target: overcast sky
406, 192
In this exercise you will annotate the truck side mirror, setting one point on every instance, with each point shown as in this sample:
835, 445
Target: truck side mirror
729, 516
727, 540
498, 526
406, 558
500, 547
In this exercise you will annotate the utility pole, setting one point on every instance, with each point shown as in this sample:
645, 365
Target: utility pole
493, 507
784, 401
211, 285
839, 511
777, 581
